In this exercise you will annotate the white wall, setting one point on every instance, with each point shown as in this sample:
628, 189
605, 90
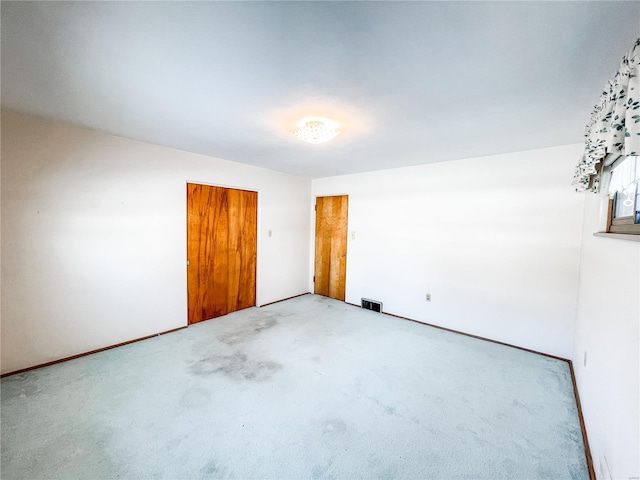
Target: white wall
496, 241
94, 237
93, 254
607, 329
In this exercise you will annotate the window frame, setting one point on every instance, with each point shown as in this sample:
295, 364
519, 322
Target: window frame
629, 224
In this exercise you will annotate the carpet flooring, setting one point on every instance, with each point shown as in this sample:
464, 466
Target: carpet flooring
305, 388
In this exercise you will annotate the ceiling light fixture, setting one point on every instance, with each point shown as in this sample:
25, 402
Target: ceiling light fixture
316, 131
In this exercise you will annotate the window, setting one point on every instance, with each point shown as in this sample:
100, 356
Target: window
624, 194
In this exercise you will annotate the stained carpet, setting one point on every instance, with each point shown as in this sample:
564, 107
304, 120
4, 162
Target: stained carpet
306, 388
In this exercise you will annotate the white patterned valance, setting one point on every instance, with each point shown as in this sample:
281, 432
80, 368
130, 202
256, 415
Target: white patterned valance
615, 123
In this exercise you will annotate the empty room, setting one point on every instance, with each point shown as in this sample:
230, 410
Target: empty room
320, 239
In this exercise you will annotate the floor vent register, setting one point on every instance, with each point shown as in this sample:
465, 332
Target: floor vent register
371, 305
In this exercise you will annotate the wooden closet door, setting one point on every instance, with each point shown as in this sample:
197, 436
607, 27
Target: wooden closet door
243, 222
331, 246
221, 247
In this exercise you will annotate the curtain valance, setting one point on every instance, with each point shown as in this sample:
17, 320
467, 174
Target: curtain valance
615, 123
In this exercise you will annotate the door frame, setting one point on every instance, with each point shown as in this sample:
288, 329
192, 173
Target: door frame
312, 240
185, 226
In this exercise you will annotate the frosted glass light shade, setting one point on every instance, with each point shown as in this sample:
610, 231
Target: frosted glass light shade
315, 131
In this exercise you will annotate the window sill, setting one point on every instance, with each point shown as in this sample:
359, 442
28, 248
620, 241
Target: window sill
618, 236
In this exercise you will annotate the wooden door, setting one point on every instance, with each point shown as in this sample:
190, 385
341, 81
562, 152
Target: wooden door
242, 241
331, 246
221, 250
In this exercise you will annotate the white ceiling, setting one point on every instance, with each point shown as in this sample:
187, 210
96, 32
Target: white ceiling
410, 82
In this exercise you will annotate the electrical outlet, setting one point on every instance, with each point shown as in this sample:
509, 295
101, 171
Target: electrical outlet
584, 361
428, 297
353, 235
270, 233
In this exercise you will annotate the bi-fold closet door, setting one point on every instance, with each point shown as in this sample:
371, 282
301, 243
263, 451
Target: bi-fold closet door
221, 250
